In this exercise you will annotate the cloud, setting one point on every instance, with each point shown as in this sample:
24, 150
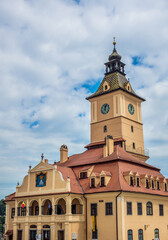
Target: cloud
51, 58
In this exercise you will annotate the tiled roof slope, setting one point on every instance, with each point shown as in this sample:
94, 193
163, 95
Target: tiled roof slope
116, 81
95, 156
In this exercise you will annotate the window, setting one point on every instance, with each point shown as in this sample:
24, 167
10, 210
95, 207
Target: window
153, 184
105, 87
147, 183
158, 185
165, 187
130, 235
139, 208
133, 145
109, 208
131, 181
156, 233
161, 213
93, 209
129, 208
140, 234
138, 183
102, 181
18, 211
83, 175
12, 212
105, 128
149, 208
95, 234
23, 211
92, 182
132, 129
73, 208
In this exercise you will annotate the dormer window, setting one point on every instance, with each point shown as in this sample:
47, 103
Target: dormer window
153, 186
165, 187
105, 87
147, 183
138, 182
92, 182
158, 185
131, 181
102, 181
83, 175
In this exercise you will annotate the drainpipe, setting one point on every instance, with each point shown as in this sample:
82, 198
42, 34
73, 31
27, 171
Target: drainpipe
86, 215
117, 215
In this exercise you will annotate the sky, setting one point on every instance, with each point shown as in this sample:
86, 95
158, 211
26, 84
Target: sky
52, 56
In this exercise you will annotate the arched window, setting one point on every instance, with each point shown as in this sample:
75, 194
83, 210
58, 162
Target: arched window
140, 234
60, 208
149, 208
105, 128
76, 207
156, 233
34, 209
130, 234
46, 209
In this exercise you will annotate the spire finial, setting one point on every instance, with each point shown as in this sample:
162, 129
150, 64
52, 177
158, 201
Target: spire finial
42, 156
114, 41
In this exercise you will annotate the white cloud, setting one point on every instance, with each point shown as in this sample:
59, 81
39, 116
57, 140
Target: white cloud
49, 49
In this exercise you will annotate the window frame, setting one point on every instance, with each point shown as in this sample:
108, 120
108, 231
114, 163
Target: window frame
92, 181
96, 234
109, 209
12, 212
161, 210
131, 181
149, 209
139, 234
132, 128
105, 128
83, 175
93, 209
139, 213
102, 185
156, 229
138, 181
158, 185
129, 208
130, 234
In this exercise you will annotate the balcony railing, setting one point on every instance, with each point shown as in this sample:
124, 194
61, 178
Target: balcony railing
137, 150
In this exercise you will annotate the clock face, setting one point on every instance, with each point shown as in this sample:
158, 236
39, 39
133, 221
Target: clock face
131, 109
105, 108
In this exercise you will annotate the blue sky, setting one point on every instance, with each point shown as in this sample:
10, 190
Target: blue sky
52, 56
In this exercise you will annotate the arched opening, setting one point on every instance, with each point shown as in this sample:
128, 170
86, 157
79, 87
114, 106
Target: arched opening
130, 234
60, 208
140, 234
156, 233
46, 232
47, 208
76, 207
21, 210
34, 209
33, 232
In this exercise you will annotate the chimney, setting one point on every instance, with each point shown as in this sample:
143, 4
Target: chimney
63, 153
46, 160
109, 146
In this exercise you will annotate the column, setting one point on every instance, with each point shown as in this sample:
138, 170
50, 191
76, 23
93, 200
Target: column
26, 232
53, 231
14, 231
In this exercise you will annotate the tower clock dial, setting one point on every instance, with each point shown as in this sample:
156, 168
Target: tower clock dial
105, 108
131, 109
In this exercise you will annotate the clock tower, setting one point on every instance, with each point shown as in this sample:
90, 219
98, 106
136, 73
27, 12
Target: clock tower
116, 110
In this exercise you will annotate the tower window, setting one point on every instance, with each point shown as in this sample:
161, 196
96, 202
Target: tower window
105, 128
132, 129
105, 87
133, 145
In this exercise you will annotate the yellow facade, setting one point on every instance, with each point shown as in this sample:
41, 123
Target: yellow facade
107, 192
